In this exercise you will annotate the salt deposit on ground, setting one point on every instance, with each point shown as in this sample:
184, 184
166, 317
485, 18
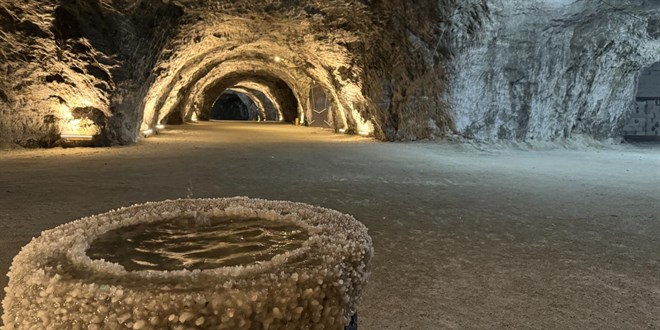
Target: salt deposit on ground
55, 285
465, 236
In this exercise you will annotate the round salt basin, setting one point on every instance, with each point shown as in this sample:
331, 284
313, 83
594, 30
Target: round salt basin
198, 243
232, 263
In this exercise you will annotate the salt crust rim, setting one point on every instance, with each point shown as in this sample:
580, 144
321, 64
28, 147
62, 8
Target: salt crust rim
321, 223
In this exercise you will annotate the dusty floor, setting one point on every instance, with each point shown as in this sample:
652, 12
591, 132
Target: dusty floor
464, 238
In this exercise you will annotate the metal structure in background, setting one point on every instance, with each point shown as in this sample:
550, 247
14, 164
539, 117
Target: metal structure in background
644, 123
322, 114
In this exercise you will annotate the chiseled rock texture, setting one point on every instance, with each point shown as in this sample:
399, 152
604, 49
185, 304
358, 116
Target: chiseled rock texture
485, 69
552, 69
61, 61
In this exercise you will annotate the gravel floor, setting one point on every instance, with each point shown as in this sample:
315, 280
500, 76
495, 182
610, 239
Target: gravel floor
464, 237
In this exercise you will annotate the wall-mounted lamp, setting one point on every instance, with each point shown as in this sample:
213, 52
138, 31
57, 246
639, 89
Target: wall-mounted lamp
75, 131
76, 137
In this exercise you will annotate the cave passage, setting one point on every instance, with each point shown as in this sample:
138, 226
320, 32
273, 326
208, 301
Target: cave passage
234, 106
247, 97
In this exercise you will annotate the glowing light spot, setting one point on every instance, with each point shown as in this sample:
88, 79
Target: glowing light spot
75, 137
160, 126
277, 59
148, 132
75, 128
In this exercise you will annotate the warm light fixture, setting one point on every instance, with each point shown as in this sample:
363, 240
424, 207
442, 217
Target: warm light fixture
75, 129
76, 137
277, 59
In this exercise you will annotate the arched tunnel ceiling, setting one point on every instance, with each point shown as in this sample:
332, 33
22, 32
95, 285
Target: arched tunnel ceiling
263, 102
267, 98
487, 69
271, 108
235, 105
282, 92
287, 50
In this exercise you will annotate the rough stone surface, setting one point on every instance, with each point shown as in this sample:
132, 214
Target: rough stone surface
54, 284
235, 106
487, 69
56, 58
551, 69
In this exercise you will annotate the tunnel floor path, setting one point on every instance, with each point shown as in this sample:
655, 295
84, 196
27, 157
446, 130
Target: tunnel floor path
464, 237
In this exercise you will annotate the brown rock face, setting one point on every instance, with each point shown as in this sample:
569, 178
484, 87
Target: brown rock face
70, 58
396, 69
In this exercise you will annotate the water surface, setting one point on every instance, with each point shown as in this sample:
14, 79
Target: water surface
202, 243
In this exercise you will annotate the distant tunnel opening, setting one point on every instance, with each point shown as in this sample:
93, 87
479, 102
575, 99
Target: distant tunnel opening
234, 106
249, 97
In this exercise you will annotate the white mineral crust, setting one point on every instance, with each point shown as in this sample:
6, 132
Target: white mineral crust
53, 284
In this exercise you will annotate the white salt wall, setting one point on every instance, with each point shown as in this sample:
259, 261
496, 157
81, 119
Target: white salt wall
545, 69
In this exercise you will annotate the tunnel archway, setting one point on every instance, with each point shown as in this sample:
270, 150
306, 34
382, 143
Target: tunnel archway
186, 98
232, 105
279, 92
267, 108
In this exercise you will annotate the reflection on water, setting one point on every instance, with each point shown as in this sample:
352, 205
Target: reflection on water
203, 243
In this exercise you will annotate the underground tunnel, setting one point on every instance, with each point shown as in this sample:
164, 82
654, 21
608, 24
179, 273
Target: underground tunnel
234, 106
453, 68
492, 164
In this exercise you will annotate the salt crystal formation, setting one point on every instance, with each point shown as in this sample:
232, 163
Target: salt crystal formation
53, 284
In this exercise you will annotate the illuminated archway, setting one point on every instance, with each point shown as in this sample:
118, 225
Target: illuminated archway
182, 87
264, 101
232, 105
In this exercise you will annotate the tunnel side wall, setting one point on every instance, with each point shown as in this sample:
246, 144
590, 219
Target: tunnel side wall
61, 56
546, 70
483, 69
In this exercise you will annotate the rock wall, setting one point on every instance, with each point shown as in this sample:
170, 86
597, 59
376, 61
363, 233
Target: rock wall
485, 69
406, 65
59, 58
550, 69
